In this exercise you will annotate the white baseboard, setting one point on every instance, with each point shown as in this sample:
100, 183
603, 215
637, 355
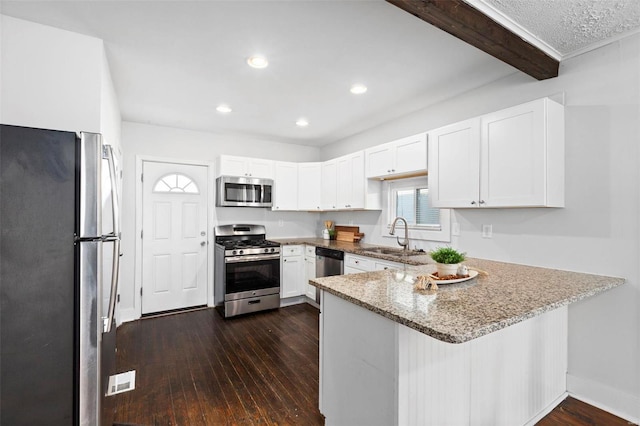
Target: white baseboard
549, 408
606, 398
127, 315
292, 301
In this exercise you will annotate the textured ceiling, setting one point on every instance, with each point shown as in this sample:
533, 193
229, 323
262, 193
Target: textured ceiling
570, 27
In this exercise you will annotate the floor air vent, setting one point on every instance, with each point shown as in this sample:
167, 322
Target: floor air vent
122, 382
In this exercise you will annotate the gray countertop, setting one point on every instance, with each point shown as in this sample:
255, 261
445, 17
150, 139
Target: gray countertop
457, 313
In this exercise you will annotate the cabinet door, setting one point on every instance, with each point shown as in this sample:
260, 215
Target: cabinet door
310, 273
232, 166
309, 186
260, 168
379, 161
512, 159
454, 162
344, 187
411, 154
358, 182
329, 185
292, 283
286, 186
351, 183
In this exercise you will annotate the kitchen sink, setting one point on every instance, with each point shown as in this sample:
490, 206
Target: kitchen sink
392, 251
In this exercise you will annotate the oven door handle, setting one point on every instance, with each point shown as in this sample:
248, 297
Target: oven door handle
251, 258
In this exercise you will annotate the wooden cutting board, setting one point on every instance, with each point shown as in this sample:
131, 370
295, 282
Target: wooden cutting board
345, 236
348, 233
354, 229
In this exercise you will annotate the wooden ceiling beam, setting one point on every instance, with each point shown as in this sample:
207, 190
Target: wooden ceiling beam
474, 27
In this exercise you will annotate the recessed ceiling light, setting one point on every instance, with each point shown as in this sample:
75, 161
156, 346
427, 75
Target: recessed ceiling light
224, 109
358, 89
257, 61
302, 122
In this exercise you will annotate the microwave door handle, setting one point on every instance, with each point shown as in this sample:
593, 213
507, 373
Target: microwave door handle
113, 292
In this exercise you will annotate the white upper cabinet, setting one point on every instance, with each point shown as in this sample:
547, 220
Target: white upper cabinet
229, 165
344, 186
309, 186
454, 164
350, 193
285, 186
403, 157
510, 158
328, 196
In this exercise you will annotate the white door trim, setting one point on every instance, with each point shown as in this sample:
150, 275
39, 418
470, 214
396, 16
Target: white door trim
140, 159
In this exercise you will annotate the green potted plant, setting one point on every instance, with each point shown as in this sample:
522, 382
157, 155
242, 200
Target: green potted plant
447, 260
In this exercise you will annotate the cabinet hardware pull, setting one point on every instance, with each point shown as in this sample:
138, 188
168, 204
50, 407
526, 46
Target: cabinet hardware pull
481, 201
473, 203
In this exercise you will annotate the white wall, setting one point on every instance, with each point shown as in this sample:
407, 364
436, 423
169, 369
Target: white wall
50, 78
110, 119
598, 231
57, 79
179, 144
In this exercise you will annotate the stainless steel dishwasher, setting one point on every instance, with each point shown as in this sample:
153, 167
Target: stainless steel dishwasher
328, 263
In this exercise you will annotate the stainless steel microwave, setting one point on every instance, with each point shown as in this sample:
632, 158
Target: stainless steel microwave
235, 191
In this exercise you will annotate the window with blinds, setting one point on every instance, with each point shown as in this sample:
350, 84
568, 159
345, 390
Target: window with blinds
413, 204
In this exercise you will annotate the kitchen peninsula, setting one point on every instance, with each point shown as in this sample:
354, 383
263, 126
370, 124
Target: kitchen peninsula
491, 350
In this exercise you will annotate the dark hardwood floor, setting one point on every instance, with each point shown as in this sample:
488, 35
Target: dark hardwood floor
196, 368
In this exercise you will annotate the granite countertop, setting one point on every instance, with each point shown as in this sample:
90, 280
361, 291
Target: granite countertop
359, 249
457, 313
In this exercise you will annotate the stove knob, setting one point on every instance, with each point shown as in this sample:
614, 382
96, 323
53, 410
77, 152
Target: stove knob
266, 250
234, 253
272, 250
241, 252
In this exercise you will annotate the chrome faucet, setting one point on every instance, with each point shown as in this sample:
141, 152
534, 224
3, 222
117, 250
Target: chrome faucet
405, 243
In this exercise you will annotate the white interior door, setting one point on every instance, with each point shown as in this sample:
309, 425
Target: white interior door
174, 236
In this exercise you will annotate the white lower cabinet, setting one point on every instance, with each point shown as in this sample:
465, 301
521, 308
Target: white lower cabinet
391, 374
310, 270
354, 264
380, 265
292, 271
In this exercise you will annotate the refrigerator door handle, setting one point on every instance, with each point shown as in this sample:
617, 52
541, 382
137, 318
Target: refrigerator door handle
115, 269
115, 206
107, 153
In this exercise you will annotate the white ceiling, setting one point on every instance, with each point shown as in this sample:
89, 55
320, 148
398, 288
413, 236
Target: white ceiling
173, 62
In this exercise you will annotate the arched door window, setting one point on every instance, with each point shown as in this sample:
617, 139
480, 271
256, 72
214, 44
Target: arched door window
176, 183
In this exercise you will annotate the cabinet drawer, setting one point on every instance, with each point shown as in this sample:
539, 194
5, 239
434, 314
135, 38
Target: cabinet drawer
310, 251
382, 265
357, 262
291, 251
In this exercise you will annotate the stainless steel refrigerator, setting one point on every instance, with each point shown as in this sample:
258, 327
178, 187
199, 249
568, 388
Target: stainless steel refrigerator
57, 340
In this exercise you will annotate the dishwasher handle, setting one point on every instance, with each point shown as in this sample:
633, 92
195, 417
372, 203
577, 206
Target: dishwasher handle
330, 253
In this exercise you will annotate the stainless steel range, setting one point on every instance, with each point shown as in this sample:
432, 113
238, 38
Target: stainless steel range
247, 270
